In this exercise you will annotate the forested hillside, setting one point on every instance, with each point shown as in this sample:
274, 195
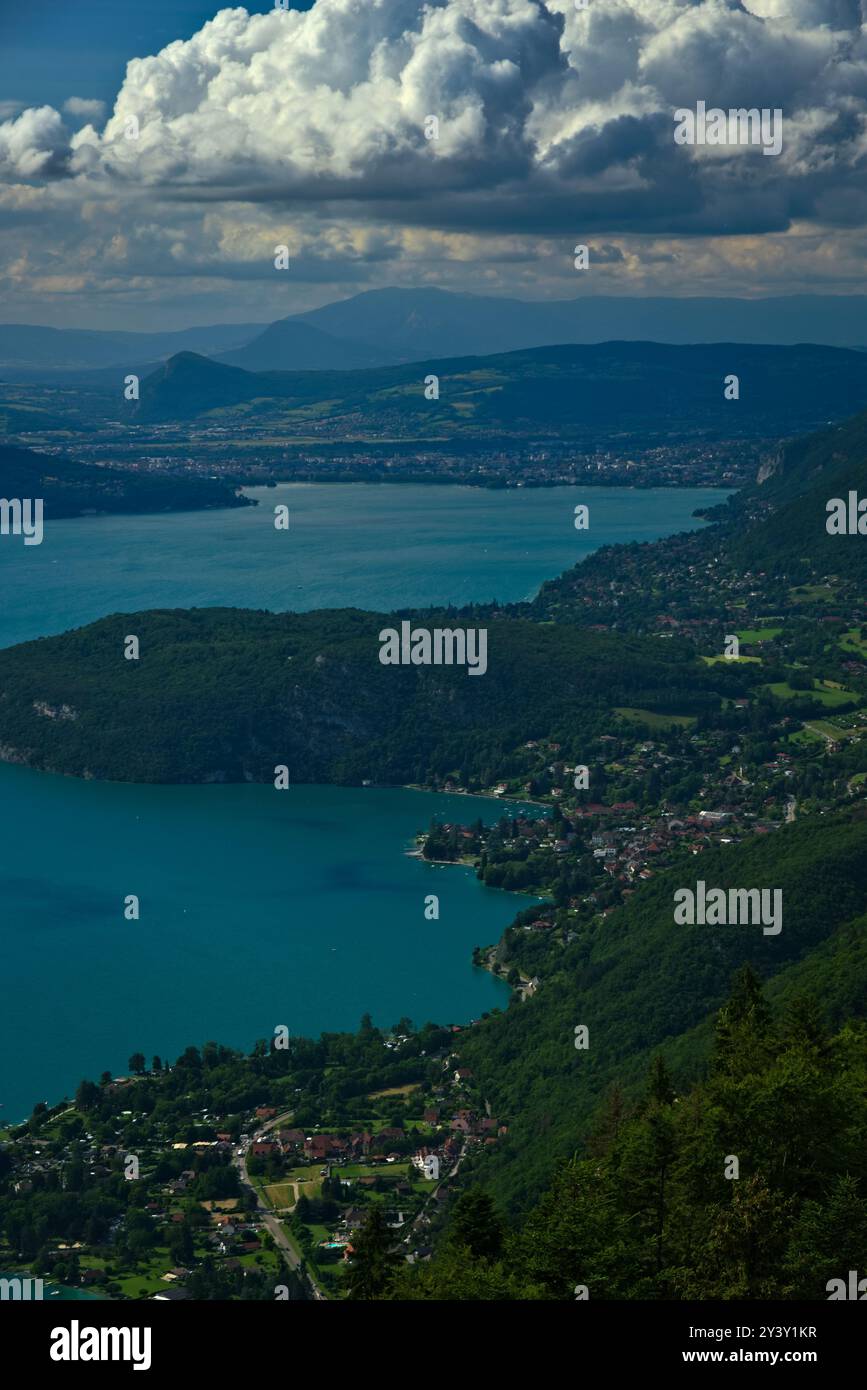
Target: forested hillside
573, 390
639, 982
653, 1206
68, 488
226, 694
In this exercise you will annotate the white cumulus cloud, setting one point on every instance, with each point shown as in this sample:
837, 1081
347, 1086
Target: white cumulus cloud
553, 122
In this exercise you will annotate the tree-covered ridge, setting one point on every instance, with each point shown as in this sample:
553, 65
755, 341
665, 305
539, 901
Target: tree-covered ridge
576, 391
765, 544
640, 982
68, 488
751, 1184
227, 695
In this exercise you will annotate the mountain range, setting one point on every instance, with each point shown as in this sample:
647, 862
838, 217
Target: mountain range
571, 390
391, 326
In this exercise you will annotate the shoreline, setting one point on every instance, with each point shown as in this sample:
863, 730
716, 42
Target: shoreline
487, 796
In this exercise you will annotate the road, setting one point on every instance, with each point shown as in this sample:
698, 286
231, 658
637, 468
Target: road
269, 1220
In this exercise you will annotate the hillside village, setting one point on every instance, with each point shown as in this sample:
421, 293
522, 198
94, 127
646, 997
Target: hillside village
247, 1203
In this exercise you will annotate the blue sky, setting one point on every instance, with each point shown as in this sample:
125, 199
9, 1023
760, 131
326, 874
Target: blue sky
54, 49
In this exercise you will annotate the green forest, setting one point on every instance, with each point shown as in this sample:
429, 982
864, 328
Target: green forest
750, 1184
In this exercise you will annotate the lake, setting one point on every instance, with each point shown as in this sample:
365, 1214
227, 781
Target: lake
350, 545
258, 909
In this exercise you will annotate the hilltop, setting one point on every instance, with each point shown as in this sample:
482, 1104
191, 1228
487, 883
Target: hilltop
566, 391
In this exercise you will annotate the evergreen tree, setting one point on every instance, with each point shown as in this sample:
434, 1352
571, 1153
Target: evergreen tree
476, 1225
374, 1263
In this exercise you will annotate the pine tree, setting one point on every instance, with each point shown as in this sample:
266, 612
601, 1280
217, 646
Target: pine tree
476, 1225
374, 1263
743, 1027
659, 1086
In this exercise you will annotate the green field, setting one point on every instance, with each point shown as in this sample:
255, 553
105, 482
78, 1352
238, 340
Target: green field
851, 642
823, 727
751, 635
374, 1170
653, 719
825, 694
811, 593
282, 1194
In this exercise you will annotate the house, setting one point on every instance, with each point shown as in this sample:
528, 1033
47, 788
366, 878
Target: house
322, 1146
264, 1148
359, 1145
290, 1138
266, 1112
462, 1122
386, 1137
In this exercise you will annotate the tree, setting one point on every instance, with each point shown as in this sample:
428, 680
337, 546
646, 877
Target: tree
743, 1025
374, 1263
476, 1225
181, 1246
803, 1023
87, 1096
136, 1063
659, 1086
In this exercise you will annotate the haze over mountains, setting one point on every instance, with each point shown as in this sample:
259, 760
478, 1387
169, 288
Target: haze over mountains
27, 347
392, 326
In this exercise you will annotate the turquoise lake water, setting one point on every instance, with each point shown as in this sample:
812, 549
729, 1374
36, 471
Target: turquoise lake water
258, 908
352, 545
